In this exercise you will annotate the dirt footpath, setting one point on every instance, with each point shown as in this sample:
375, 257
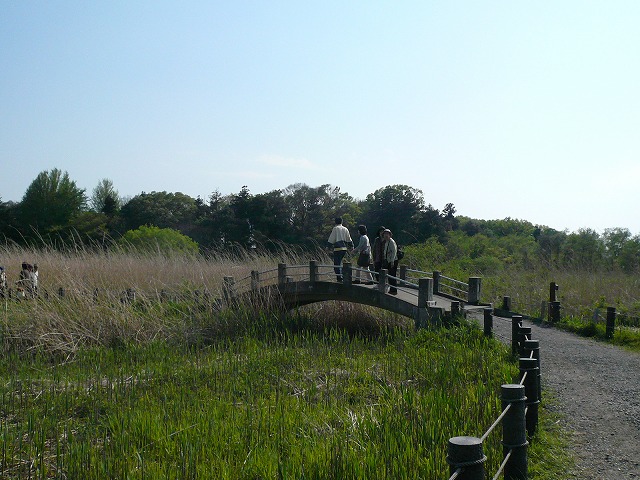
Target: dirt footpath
597, 387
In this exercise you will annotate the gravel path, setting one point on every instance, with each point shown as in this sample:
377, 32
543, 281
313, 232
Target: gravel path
597, 387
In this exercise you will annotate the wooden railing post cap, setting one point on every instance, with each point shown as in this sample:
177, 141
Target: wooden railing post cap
465, 452
512, 392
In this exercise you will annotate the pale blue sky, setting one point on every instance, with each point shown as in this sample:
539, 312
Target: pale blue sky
523, 109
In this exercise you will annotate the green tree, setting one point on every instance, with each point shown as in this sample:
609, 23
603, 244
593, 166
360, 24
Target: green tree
163, 209
151, 239
583, 249
105, 198
50, 202
397, 207
312, 210
9, 220
614, 241
629, 256
211, 227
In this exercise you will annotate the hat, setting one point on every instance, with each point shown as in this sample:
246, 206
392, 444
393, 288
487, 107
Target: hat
386, 230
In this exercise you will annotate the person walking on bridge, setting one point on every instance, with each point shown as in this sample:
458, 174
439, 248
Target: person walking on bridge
340, 240
364, 257
390, 260
378, 250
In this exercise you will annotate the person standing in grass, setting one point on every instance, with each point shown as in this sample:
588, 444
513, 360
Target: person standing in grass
390, 259
340, 240
34, 279
364, 256
3, 283
378, 250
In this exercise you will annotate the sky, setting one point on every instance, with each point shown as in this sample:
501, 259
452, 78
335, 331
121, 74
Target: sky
527, 110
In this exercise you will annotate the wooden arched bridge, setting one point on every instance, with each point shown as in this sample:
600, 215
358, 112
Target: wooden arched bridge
423, 296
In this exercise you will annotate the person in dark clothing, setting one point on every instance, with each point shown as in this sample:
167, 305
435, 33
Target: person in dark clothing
377, 251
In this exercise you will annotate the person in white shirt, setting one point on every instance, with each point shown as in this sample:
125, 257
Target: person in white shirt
340, 240
390, 259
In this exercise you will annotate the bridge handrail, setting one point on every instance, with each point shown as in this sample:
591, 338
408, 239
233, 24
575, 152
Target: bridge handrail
454, 280
426, 274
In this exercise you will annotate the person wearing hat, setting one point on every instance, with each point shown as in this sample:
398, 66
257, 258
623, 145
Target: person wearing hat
390, 259
340, 240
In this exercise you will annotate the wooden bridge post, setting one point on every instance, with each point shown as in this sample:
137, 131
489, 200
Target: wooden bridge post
436, 282
425, 294
282, 273
347, 274
382, 280
403, 273
228, 289
255, 280
473, 296
425, 291
313, 271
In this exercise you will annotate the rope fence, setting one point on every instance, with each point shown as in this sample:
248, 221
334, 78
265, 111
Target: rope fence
519, 415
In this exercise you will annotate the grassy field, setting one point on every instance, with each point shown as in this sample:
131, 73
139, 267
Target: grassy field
92, 388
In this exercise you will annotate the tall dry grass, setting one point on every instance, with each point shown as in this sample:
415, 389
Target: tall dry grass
94, 310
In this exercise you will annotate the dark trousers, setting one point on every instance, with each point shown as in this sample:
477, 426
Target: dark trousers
338, 255
392, 270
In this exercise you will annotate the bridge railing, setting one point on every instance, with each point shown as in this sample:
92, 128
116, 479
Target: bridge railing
468, 292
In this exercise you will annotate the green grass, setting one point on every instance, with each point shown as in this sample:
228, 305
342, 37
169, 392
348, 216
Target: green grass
304, 405
626, 337
104, 389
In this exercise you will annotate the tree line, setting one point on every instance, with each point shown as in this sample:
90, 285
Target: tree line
54, 210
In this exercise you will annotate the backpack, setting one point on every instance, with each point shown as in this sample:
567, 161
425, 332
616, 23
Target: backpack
400, 253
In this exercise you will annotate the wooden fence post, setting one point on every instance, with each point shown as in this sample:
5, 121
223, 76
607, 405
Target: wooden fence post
516, 322
466, 453
533, 346
255, 280
506, 303
529, 366
524, 333
553, 292
514, 435
611, 322
228, 289
455, 308
60, 292
488, 321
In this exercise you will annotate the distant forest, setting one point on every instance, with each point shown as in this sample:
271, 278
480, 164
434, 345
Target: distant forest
54, 211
